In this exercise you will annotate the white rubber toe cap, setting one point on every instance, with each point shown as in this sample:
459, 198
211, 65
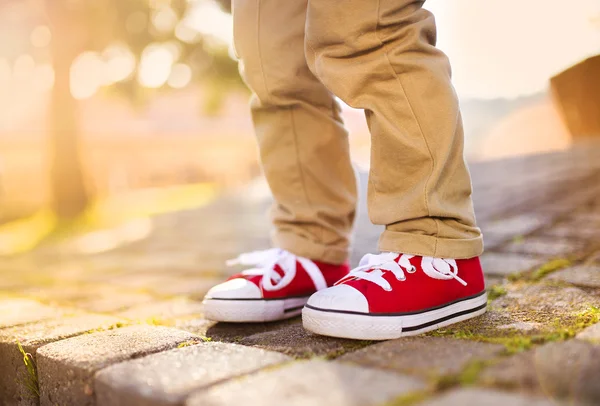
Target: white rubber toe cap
238, 288
340, 297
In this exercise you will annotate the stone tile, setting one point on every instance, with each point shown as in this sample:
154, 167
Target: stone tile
66, 368
506, 264
294, 340
528, 310
163, 310
33, 336
591, 334
545, 246
586, 276
406, 355
14, 312
312, 383
487, 397
567, 370
564, 231
112, 302
545, 303
236, 332
516, 225
168, 377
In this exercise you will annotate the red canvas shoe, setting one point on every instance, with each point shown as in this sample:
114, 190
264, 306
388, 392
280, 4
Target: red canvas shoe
276, 288
395, 295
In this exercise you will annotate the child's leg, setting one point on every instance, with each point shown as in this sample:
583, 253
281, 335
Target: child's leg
302, 140
381, 56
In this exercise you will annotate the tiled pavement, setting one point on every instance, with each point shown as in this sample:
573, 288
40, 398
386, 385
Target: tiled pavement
125, 327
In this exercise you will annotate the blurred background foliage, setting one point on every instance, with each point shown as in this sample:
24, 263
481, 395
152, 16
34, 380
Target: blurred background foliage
113, 109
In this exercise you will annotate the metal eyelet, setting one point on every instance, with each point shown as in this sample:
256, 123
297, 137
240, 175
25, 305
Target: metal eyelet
412, 269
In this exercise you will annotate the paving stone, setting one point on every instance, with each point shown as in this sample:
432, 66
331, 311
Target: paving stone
591, 334
66, 368
579, 232
31, 337
545, 304
545, 246
528, 310
14, 312
163, 310
312, 383
115, 301
406, 355
587, 276
167, 378
294, 340
516, 225
487, 397
564, 370
236, 332
506, 264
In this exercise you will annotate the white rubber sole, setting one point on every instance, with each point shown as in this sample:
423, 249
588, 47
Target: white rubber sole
372, 327
252, 310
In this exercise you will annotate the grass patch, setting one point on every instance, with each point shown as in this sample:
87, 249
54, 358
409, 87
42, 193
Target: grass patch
515, 341
31, 379
496, 291
549, 267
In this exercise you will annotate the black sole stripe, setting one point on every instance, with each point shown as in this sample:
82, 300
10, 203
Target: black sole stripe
396, 314
431, 323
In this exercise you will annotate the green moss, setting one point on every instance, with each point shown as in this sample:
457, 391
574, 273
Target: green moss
31, 380
348, 347
518, 239
549, 267
496, 291
409, 399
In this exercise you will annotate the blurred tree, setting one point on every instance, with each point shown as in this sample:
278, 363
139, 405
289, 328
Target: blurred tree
84, 25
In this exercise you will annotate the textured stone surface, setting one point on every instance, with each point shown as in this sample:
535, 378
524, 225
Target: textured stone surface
406, 355
545, 246
163, 310
66, 368
300, 343
487, 397
14, 312
168, 377
546, 304
310, 383
587, 276
31, 337
564, 370
516, 225
506, 264
592, 334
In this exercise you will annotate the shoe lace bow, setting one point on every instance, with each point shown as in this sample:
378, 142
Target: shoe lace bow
372, 268
264, 263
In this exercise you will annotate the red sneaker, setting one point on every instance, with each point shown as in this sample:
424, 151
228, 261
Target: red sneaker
394, 295
276, 288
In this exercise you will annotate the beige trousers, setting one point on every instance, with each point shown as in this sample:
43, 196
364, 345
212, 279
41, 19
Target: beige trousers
376, 55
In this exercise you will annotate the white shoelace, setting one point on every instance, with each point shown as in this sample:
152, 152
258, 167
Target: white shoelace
372, 268
264, 263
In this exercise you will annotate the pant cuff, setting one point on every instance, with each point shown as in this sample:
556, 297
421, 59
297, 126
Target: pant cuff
429, 246
303, 247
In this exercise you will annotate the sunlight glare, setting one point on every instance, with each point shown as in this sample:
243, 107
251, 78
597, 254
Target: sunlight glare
155, 66
87, 75
180, 76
